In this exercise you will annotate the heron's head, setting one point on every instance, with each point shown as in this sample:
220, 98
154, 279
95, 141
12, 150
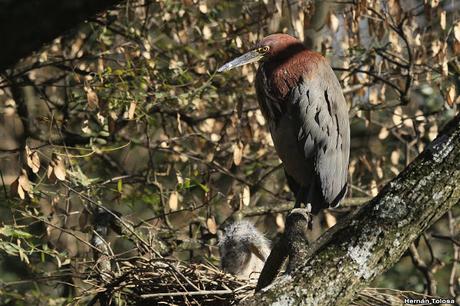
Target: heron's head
272, 47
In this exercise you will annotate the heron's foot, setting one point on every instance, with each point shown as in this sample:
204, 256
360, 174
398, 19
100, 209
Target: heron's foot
301, 215
298, 222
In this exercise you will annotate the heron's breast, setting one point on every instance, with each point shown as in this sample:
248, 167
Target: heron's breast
285, 138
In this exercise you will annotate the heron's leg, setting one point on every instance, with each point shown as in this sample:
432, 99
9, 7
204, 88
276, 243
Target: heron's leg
297, 225
299, 197
303, 196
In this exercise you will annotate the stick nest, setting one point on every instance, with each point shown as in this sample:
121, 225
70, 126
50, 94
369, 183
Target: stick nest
170, 282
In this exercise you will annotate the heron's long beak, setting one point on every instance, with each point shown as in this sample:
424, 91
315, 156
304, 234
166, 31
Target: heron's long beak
247, 58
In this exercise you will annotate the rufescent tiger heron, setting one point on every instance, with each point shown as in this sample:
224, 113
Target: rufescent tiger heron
302, 101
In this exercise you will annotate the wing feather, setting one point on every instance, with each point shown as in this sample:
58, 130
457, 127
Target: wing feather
321, 114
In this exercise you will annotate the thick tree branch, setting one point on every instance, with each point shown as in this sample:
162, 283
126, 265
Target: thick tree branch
372, 239
26, 25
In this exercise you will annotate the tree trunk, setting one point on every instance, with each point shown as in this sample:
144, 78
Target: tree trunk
373, 238
26, 25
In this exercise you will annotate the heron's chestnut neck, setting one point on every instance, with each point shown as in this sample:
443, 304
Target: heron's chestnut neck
286, 68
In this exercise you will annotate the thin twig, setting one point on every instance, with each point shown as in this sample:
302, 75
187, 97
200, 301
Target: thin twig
192, 293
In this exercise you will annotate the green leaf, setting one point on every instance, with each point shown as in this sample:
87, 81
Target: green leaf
120, 186
9, 248
204, 187
187, 183
10, 231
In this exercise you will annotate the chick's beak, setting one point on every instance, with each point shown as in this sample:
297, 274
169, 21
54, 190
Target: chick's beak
247, 58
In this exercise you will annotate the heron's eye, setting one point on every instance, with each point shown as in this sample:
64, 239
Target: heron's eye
263, 49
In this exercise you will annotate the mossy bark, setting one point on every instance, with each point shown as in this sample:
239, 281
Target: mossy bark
371, 240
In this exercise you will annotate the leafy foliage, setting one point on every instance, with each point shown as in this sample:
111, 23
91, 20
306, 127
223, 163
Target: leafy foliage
123, 124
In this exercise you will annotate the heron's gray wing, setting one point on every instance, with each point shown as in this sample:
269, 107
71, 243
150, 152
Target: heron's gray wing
319, 107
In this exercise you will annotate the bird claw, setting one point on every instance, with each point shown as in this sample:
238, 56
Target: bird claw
302, 211
305, 213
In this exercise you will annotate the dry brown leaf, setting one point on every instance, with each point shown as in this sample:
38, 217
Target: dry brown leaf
279, 220
374, 188
59, 169
211, 224
179, 123
49, 170
238, 42
373, 95
259, 117
24, 181
173, 201
397, 116
433, 132
383, 133
444, 65
442, 20
208, 125
93, 100
457, 31
33, 160
21, 186
238, 149
451, 95
246, 197
395, 157
379, 172
56, 168
418, 40
215, 137
131, 110
203, 7
207, 33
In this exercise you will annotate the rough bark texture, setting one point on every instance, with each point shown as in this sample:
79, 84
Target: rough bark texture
25, 25
371, 240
